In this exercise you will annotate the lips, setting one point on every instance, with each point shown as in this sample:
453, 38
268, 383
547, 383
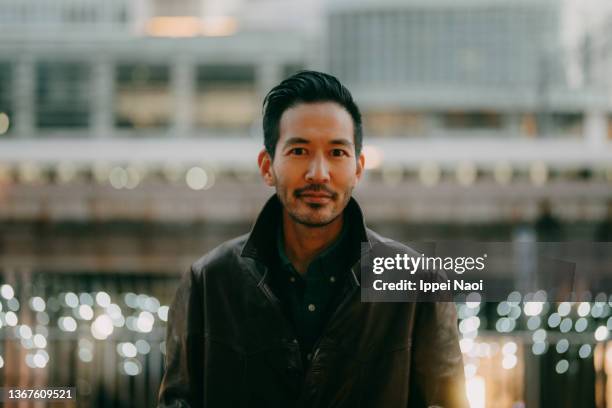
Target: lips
315, 194
315, 197
318, 195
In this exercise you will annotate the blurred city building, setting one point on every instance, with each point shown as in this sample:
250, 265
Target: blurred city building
487, 102
128, 140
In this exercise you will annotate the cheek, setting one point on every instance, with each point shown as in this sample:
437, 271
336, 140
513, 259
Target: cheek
285, 176
289, 172
346, 176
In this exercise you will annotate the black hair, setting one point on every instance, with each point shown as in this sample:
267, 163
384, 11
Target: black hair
306, 87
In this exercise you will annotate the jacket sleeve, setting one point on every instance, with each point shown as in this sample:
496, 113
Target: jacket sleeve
182, 383
438, 364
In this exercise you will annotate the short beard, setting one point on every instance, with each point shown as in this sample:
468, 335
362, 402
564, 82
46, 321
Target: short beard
313, 224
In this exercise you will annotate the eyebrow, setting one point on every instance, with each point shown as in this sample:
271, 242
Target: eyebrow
296, 140
342, 142
299, 140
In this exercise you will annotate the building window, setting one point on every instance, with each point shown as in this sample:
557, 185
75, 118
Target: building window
143, 98
471, 120
6, 107
567, 123
391, 123
62, 95
226, 98
552, 124
529, 125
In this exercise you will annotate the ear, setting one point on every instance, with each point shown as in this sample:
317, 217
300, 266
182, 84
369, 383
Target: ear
264, 161
360, 166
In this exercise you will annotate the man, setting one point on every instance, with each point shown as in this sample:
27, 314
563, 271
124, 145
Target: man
274, 318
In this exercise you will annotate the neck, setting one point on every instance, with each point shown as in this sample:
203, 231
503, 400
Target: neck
304, 243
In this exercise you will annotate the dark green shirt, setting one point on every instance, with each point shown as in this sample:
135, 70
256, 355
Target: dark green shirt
310, 299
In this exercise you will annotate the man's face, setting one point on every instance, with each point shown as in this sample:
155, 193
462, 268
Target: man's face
314, 169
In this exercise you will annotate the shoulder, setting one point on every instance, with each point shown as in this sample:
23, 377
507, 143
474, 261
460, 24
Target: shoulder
222, 256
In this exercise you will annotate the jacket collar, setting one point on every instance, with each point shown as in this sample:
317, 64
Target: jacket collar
261, 243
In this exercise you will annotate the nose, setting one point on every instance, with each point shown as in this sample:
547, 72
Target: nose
318, 171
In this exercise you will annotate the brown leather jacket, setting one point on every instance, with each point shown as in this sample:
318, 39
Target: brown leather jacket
229, 344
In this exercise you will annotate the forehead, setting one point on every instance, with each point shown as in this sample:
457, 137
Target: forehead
316, 120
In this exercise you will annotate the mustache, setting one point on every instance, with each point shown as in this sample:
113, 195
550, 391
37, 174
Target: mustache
315, 188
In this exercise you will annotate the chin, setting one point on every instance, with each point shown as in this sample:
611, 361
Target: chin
314, 220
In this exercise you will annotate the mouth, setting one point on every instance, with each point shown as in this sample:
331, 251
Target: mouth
312, 197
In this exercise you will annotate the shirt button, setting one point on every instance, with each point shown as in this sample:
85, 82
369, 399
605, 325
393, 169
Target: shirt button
292, 279
312, 307
332, 279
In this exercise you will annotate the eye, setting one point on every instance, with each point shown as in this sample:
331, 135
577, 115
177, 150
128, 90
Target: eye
339, 153
298, 151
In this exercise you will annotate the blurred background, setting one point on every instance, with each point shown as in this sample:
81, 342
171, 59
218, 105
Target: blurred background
129, 131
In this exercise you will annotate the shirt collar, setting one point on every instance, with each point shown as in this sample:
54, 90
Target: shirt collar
331, 257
